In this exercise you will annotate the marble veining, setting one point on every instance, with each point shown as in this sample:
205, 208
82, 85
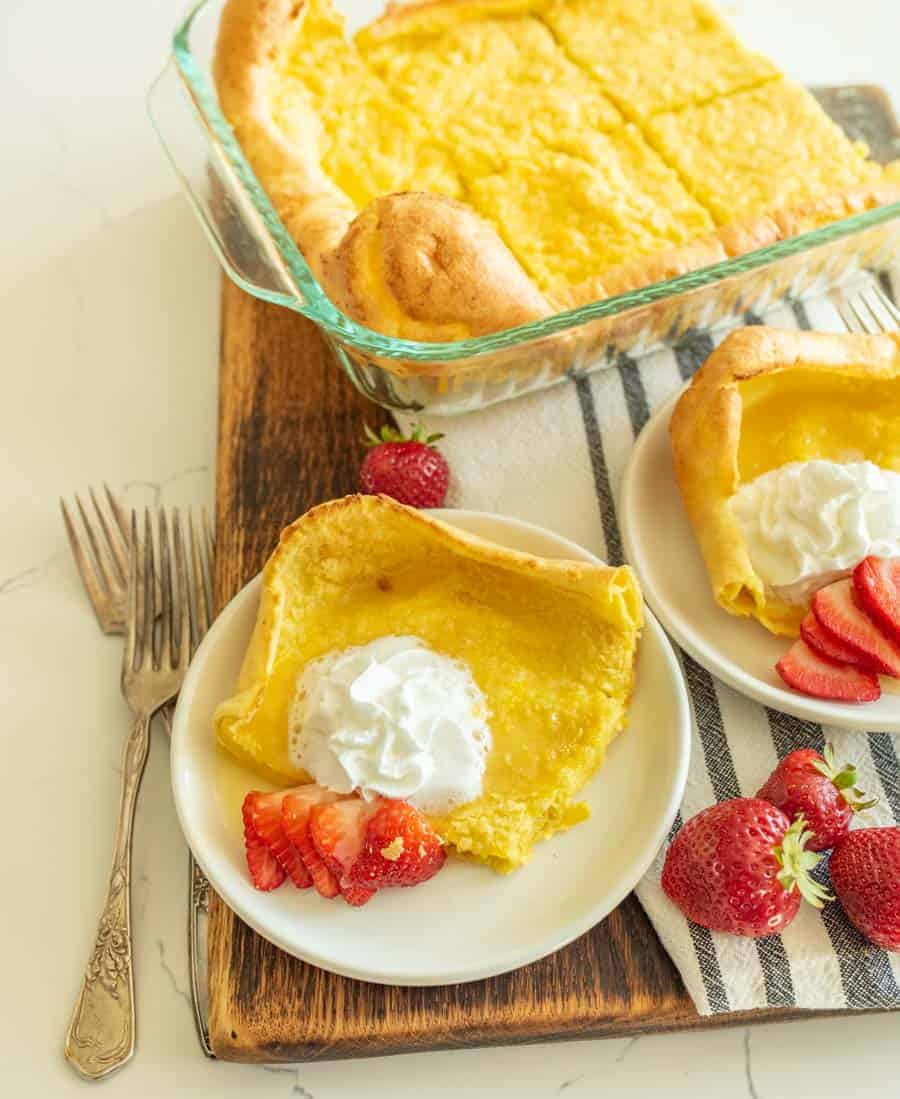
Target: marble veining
296, 1087
566, 1084
748, 1067
158, 488
170, 973
27, 578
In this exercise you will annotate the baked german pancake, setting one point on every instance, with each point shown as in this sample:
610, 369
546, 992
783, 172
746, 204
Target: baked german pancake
787, 452
465, 166
522, 667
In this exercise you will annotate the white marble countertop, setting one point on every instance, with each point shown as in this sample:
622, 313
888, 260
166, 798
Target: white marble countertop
109, 310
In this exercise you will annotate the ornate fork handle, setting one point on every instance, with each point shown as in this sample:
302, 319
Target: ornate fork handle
198, 914
101, 1035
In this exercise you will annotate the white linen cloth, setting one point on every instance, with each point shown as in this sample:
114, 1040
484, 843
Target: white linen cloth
556, 458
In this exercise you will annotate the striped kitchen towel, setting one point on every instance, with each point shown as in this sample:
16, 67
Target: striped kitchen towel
556, 458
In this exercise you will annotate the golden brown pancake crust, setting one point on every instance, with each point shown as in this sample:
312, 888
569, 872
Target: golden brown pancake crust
551, 644
705, 433
420, 265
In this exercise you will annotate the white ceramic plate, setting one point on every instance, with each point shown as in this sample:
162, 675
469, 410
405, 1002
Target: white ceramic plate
660, 544
468, 922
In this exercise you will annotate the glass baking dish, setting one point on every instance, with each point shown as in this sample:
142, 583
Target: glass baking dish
448, 378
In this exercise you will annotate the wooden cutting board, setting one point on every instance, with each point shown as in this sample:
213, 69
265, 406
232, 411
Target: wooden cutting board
290, 425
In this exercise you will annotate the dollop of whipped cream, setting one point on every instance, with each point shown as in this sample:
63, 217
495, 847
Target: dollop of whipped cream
391, 718
808, 523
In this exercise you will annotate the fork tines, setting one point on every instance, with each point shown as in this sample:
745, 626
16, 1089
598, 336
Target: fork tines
179, 600
202, 556
99, 540
155, 594
870, 311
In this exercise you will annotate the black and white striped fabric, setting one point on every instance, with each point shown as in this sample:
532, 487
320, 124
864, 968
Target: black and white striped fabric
556, 458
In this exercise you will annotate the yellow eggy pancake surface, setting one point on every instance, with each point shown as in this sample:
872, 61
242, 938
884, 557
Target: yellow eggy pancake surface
656, 55
573, 216
804, 414
551, 645
592, 146
370, 143
762, 150
764, 398
520, 94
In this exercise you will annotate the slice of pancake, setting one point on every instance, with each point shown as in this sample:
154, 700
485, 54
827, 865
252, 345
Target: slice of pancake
656, 55
765, 398
521, 94
368, 142
551, 645
569, 218
761, 151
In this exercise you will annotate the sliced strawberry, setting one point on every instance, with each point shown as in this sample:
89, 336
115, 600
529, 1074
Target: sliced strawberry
837, 610
803, 669
295, 813
826, 644
338, 831
357, 895
262, 815
876, 581
400, 848
262, 864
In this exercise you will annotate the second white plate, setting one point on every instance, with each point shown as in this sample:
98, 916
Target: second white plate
660, 545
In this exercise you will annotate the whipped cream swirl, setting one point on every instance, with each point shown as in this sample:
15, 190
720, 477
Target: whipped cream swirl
808, 523
391, 718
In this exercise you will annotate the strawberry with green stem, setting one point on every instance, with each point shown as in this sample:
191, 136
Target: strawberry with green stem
408, 468
813, 786
741, 866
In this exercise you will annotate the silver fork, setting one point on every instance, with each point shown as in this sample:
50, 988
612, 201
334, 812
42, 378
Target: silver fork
101, 554
869, 311
102, 557
202, 559
102, 1032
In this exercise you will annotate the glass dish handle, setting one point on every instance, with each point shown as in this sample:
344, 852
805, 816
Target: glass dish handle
237, 230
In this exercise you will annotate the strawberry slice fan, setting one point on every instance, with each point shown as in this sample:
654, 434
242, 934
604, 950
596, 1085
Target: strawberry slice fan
877, 585
850, 638
563, 457
343, 846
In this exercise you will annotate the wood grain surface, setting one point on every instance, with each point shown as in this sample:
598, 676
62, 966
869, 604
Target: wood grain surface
289, 437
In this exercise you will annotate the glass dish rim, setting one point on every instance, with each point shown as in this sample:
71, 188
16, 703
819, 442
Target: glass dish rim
316, 305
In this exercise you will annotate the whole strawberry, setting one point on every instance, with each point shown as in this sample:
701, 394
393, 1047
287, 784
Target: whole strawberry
400, 848
865, 873
741, 866
408, 468
805, 783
